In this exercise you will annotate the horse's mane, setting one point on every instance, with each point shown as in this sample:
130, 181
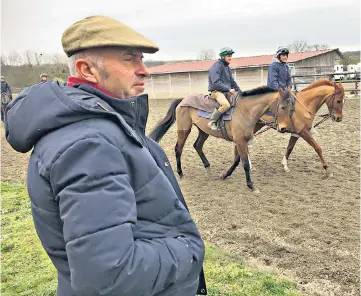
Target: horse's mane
320, 82
258, 91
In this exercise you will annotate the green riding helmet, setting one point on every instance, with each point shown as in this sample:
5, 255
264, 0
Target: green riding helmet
226, 51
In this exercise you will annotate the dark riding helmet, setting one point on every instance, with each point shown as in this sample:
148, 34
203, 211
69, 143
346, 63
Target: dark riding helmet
282, 50
226, 51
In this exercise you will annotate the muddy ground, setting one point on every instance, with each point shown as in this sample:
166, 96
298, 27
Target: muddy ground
300, 225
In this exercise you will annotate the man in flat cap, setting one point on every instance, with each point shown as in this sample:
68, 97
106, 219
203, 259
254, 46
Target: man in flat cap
105, 202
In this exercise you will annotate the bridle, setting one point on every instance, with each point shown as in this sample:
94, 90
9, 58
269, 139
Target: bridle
332, 101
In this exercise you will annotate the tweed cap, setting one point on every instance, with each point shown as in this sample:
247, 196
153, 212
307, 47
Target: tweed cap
102, 31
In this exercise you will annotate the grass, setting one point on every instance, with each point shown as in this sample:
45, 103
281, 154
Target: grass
27, 270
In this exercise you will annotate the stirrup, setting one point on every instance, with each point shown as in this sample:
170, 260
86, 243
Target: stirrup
213, 126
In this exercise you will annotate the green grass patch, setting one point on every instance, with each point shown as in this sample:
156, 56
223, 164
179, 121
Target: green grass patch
27, 270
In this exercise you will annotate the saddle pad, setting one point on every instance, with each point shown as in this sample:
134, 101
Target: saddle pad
226, 116
200, 102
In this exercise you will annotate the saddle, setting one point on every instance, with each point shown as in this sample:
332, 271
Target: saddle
206, 105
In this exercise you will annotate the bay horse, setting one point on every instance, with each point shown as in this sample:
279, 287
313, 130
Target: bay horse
308, 102
249, 107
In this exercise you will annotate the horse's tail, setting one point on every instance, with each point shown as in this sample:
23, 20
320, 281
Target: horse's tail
164, 125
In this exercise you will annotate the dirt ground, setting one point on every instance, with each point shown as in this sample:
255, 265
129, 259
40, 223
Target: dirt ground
300, 225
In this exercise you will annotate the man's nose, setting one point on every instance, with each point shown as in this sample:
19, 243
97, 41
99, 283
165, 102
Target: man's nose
142, 70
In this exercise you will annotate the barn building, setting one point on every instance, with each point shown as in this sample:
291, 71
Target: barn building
177, 80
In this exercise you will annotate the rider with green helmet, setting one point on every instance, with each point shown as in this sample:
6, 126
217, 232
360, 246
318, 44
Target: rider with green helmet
220, 83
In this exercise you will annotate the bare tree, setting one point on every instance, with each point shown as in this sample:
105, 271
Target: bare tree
318, 46
14, 59
299, 46
29, 58
207, 54
4, 60
37, 57
302, 45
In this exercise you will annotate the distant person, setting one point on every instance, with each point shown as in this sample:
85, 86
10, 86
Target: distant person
6, 96
220, 83
279, 75
105, 202
43, 77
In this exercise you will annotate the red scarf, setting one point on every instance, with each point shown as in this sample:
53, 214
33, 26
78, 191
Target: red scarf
75, 80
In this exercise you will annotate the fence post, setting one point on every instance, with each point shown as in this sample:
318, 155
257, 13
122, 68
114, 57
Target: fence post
151, 80
190, 83
315, 78
294, 85
170, 87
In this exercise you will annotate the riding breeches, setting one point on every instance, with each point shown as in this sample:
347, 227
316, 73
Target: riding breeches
221, 99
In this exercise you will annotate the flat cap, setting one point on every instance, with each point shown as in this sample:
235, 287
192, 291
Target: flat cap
101, 31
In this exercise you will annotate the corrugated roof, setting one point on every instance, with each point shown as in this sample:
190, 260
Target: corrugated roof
236, 62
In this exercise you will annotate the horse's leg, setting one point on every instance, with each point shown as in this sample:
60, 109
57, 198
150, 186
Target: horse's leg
291, 144
182, 137
306, 135
237, 159
198, 145
242, 148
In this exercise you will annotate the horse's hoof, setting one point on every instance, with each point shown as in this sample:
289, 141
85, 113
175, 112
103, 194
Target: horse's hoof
287, 170
250, 186
207, 165
180, 175
223, 177
326, 176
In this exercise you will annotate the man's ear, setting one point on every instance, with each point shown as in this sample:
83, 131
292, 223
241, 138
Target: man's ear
86, 70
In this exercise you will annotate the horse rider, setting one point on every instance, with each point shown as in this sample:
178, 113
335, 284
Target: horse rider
279, 75
220, 83
5, 100
43, 77
5, 87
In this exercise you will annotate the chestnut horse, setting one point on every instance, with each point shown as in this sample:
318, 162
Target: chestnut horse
249, 107
308, 102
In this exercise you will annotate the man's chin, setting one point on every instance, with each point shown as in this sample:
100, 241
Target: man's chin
137, 90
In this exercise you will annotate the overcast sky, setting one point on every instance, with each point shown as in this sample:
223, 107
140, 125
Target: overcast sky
181, 28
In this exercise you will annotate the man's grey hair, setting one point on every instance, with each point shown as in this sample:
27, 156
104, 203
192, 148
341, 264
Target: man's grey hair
92, 55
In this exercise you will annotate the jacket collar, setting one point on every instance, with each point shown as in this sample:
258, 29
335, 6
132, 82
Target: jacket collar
223, 62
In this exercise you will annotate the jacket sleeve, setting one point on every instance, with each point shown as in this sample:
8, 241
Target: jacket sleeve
273, 77
97, 205
234, 84
215, 74
289, 80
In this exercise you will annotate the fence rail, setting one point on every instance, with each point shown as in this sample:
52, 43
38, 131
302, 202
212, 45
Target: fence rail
331, 76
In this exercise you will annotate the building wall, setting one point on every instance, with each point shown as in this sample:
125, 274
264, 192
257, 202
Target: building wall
327, 59
178, 85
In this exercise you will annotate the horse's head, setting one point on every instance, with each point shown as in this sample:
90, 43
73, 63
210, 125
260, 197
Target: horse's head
335, 102
283, 110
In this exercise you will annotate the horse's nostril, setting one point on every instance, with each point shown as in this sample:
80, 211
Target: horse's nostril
283, 130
